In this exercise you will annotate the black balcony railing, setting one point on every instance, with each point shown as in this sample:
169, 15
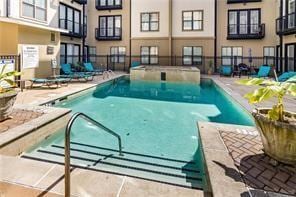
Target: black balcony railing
75, 29
239, 31
108, 34
81, 1
108, 5
242, 1
286, 25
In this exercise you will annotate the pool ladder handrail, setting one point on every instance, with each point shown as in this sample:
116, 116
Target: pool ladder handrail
67, 144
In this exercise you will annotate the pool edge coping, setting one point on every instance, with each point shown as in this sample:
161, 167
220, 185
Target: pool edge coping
219, 184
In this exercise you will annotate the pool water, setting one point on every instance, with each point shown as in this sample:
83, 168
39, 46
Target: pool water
156, 119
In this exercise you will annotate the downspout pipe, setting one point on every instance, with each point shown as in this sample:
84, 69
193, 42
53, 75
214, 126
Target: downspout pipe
7, 8
83, 33
215, 39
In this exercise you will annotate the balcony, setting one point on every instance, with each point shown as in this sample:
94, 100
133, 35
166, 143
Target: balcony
242, 1
75, 29
107, 34
286, 25
107, 5
239, 32
81, 1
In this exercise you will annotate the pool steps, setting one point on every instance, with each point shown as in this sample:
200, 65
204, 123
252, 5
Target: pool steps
165, 170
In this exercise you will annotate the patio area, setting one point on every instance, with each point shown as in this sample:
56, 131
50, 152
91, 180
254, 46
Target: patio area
234, 157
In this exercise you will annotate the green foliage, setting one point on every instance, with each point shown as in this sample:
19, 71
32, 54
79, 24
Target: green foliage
269, 89
6, 77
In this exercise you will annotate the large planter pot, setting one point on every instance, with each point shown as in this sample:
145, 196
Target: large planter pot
6, 102
278, 138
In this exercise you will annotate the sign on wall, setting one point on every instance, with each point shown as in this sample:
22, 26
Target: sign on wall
30, 54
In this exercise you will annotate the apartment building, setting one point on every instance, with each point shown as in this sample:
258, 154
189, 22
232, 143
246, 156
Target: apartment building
30, 26
73, 18
286, 30
167, 28
246, 28
165, 32
109, 31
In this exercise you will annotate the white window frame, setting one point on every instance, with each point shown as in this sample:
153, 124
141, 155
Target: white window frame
35, 7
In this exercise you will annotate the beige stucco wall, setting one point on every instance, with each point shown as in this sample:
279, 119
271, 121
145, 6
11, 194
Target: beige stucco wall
142, 6
207, 7
8, 38
41, 38
103, 47
268, 16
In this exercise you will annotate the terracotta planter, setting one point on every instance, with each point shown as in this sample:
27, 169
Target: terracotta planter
278, 138
6, 102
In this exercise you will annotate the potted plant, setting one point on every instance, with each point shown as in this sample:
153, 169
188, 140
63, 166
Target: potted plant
210, 71
277, 127
7, 92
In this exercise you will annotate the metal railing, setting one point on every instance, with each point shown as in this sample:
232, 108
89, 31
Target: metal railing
67, 144
246, 31
286, 24
108, 33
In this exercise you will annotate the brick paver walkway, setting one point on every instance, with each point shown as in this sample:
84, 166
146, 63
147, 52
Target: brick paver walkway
255, 167
19, 117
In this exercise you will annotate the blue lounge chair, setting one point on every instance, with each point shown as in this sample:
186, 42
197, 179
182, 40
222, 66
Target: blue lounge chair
263, 72
89, 68
225, 70
49, 82
69, 73
135, 64
292, 79
285, 76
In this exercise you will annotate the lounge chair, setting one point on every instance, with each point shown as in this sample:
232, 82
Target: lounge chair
263, 72
286, 76
89, 68
49, 82
292, 79
225, 70
67, 72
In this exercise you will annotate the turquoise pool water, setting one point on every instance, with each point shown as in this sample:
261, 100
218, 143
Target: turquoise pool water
152, 118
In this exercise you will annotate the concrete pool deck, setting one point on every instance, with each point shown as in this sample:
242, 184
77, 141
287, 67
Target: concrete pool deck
20, 173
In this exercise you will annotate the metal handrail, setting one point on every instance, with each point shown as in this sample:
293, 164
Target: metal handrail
67, 144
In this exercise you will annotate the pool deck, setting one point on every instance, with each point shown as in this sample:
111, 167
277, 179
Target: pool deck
234, 169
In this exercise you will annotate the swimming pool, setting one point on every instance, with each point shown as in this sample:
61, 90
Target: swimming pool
157, 124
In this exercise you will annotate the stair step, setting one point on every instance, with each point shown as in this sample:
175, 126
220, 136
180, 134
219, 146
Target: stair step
190, 165
153, 175
95, 158
134, 158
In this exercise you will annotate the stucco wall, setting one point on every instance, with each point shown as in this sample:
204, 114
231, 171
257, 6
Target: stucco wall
207, 7
41, 38
141, 6
8, 38
268, 16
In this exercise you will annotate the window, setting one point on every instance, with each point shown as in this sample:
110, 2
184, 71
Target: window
291, 14
192, 20
34, 9
69, 53
244, 22
108, 4
269, 55
232, 55
290, 53
70, 19
192, 55
117, 54
149, 55
92, 53
110, 27
150, 21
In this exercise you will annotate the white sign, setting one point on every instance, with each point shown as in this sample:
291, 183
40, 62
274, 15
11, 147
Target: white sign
30, 56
